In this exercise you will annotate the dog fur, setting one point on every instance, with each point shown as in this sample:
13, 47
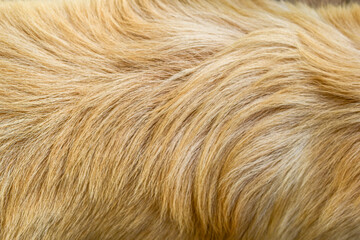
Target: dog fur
182, 119
319, 3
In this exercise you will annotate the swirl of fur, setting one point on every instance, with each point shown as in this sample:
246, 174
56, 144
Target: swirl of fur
157, 119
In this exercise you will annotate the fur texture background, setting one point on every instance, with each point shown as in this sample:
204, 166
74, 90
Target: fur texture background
156, 119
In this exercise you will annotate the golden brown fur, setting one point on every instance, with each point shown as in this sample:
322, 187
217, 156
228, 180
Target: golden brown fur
157, 119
